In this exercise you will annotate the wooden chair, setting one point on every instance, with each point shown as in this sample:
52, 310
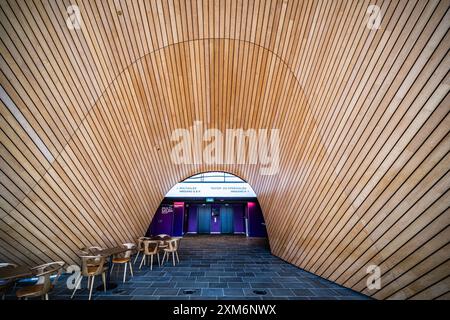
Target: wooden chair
5, 285
125, 259
44, 285
150, 249
91, 266
178, 239
172, 247
162, 238
140, 247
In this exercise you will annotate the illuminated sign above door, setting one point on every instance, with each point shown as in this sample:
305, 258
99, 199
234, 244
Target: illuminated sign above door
212, 185
211, 190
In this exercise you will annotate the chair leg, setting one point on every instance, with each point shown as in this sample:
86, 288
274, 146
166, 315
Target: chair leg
173, 258
125, 273
164, 257
142, 261
112, 267
137, 255
178, 259
131, 269
46, 296
92, 286
159, 263
104, 281
89, 282
77, 284
151, 262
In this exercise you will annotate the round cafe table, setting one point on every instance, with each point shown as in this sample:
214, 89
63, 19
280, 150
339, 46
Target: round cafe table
15, 273
8, 275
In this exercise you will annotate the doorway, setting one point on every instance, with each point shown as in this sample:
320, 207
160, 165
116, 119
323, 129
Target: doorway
209, 203
215, 219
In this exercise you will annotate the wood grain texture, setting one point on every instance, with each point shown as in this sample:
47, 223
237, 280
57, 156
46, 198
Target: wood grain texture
87, 115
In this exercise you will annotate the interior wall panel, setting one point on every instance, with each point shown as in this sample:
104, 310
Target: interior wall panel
87, 116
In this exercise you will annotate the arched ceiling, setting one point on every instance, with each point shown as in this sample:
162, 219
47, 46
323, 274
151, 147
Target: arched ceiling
87, 116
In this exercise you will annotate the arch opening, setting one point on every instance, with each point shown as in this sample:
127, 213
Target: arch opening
209, 203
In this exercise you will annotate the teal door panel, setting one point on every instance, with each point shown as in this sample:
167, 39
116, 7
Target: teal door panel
226, 220
204, 219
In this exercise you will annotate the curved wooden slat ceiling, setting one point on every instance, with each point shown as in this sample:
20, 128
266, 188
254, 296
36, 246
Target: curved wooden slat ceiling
86, 119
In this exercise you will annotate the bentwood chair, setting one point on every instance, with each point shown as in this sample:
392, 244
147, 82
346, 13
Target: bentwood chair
91, 266
172, 247
150, 249
44, 285
125, 259
178, 239
140, 247
5, 285
162, 238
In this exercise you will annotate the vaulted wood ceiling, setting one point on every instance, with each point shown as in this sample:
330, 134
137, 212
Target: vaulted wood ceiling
87, 115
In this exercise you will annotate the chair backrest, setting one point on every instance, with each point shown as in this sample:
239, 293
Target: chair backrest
151, 246
140, 243
92, 261
173, 244
178, 240
129, 246
163, 236
8, 265
45, 271
92, 250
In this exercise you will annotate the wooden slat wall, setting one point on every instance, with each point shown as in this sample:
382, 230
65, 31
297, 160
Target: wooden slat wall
86, 119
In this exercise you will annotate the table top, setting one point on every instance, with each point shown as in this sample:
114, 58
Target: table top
160, 238
13, 273
111, 251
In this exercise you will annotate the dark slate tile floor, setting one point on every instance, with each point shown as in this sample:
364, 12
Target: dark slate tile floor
216, 267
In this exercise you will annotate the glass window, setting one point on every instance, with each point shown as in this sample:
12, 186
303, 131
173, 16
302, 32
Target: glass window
212, 184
